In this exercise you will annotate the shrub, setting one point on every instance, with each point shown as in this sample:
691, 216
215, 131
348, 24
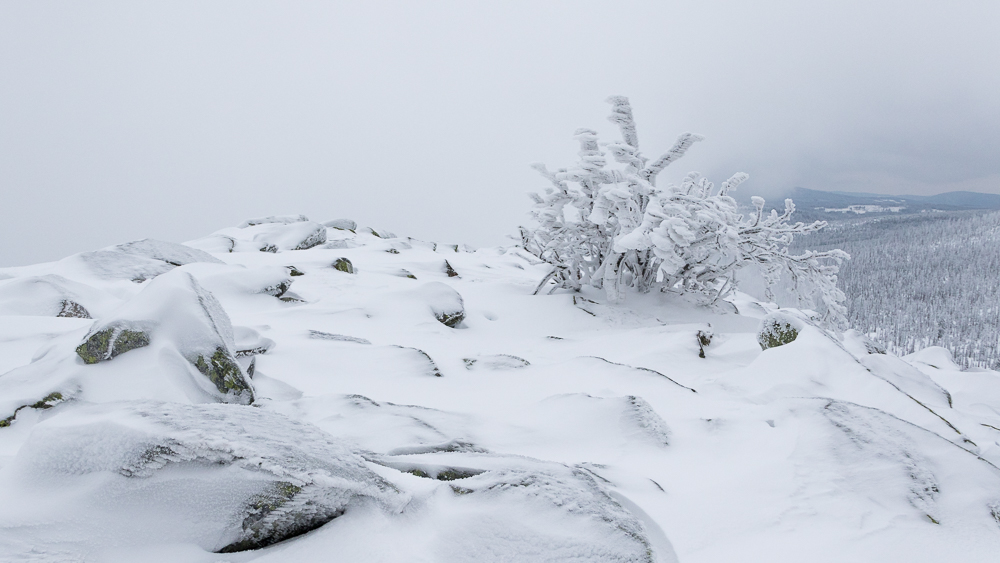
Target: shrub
611, 227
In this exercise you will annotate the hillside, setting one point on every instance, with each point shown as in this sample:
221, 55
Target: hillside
922, 280
293, 391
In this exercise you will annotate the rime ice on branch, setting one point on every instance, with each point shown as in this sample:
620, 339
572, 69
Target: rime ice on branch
611, 227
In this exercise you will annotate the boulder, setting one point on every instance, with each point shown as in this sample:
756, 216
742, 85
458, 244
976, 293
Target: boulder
249, 342
175, 310
380, 234
142, 260
278, 237
777, 329
546, 511
343, 265
274, 219
52, 295
226, 281
342, 224
224, 477
169, 252
444, 302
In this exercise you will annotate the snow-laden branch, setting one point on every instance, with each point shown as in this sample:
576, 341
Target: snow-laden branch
611, 227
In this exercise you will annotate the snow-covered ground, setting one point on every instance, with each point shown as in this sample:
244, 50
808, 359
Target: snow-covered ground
415, 402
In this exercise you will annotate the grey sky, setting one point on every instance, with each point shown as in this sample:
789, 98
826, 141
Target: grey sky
124, 120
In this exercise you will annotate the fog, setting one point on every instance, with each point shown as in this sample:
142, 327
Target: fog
125, 120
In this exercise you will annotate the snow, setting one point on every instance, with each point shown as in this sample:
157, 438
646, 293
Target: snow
553, 427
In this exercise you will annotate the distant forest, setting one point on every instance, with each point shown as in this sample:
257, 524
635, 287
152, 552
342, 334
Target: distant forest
928, 279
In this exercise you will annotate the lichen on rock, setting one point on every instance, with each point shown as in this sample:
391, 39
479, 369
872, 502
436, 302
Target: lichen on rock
111, 341
343, 265
224, 372
47, 402
778, 329
73, 309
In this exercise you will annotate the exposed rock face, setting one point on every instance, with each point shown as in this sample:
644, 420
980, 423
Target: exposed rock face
111, 340
778, 329
46, 402
223, 371
445, 303
73, 309
343, 265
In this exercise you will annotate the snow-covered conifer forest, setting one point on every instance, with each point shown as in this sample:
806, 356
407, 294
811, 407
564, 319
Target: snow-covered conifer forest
928, 279
603, 391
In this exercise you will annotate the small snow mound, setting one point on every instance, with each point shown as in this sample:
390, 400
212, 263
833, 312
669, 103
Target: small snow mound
936, 357
320, 335
52, 295
249, 342
495, 362
859, 344
444, 302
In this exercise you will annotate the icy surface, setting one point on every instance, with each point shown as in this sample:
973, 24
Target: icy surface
533, 428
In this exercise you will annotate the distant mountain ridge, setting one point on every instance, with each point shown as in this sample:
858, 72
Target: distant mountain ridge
818, 204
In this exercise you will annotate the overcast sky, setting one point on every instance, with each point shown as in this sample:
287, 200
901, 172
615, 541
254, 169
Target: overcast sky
125, 120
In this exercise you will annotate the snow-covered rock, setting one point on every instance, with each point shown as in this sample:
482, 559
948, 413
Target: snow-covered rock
777, 329
176, 309
294, 236
444, 302
274, 219
342, 224
52, 295
224, 477
140, 260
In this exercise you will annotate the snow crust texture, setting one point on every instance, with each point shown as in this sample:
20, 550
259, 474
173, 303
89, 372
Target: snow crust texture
241, 398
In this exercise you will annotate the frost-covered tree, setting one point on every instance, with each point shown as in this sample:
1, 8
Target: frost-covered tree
610, 226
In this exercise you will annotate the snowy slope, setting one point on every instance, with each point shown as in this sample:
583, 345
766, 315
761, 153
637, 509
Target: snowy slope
417, 403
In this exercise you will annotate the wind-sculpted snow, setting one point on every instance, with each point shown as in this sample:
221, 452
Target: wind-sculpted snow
493, 507
402, 413
169, 252
268, 234
141, 260
227, 478
176, 309
171, 341
52, 295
